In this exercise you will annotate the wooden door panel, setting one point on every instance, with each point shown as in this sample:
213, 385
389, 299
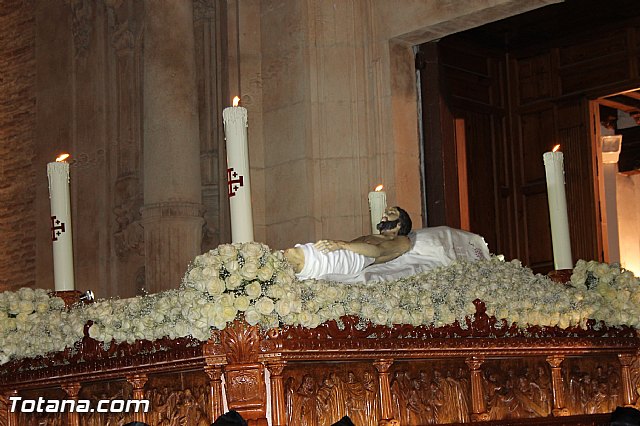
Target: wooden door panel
579, 163
538, 240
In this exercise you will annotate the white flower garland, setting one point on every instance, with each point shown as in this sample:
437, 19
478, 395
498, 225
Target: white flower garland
250, 280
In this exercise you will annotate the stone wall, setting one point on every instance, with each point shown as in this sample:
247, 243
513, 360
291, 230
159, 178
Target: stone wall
339, 106
17, 119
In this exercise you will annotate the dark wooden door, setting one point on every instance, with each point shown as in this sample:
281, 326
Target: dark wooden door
468, 161
504, 109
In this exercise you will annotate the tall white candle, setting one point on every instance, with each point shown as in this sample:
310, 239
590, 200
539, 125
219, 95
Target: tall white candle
554, 169
61, 236
377, 206
238, 182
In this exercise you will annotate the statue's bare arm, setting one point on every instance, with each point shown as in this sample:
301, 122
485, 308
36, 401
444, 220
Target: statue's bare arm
382, 250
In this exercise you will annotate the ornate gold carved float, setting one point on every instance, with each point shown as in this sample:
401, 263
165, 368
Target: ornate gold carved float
483, 370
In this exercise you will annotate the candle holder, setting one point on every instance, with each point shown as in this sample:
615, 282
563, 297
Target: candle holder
73, 297
562, 276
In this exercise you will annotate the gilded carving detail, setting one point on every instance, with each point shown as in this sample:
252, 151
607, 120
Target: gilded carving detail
38, 419
105, 391
592, 386
178, 400
321, 397
517, 390
431, 392
243, 386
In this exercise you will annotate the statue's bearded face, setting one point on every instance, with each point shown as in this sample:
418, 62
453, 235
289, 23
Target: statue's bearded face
390, 220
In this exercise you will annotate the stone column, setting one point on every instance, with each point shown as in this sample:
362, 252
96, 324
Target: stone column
172, 212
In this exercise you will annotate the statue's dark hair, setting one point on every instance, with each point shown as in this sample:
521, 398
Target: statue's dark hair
405, 221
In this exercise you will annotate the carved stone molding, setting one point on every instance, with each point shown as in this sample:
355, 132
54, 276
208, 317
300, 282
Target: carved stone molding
123, 38
82, 16
203, 10
171, 209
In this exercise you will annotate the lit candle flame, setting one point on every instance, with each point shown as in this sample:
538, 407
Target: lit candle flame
236, 101
379, 188
62, 157
556, 148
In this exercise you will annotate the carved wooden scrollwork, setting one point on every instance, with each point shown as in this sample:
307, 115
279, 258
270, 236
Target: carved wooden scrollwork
240, 342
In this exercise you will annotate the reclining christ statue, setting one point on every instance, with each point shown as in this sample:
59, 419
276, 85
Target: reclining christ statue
331, 257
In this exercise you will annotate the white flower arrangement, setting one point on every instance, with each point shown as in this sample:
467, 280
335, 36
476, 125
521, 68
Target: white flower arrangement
250, 281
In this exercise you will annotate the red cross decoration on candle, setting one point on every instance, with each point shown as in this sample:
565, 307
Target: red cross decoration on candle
234, 181
57, 228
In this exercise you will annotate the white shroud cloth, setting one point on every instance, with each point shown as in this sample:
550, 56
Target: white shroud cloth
339, 262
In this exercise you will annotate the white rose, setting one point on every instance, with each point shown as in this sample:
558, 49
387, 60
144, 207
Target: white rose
285, 277
253, 290
215, 286
275, 291
249, 271
233, 281
331, 293
304, 318
312, 306
417, 318
251, 316
264, 305
295, 305
242, 303
162, 305
368, 311
229, 313
26, 293
397, 317
227, 252
337, 311
226, 299
265, 273
42, 307
283, 308
251, 251
199, 285
380, 317
353, 307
